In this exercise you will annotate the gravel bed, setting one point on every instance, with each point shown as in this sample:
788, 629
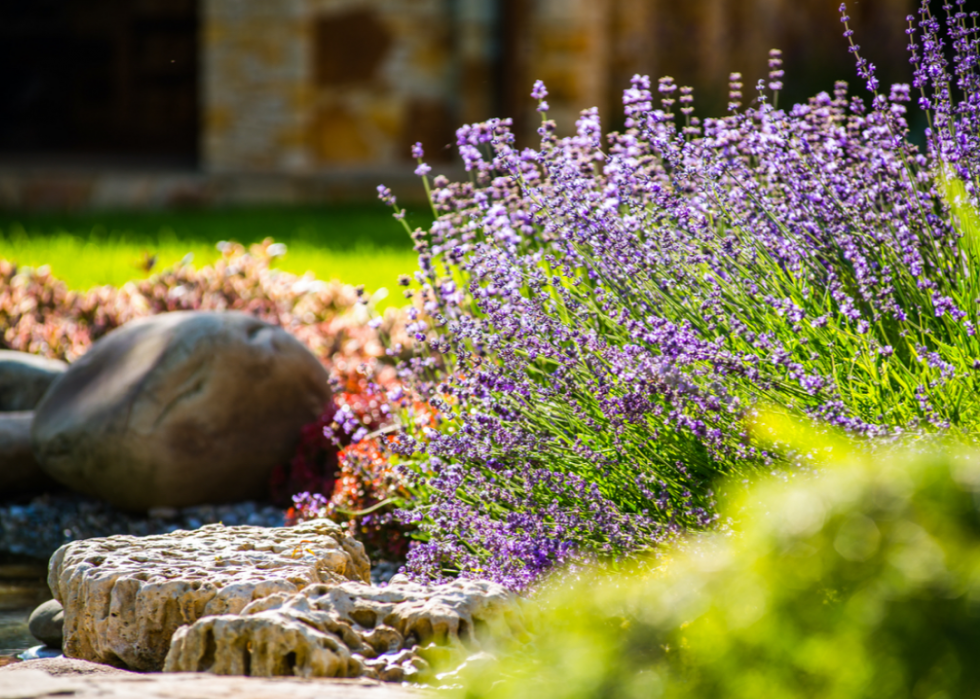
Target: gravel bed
383, 571
38, 528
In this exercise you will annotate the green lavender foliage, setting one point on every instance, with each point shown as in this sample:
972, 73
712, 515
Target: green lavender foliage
862, 580
612, 305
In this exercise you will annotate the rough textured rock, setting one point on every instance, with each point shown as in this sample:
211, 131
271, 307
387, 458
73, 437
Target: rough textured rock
179, 409
124, 596
24, 379
19, 470
46, 623
18, 682
394, 633
261, 645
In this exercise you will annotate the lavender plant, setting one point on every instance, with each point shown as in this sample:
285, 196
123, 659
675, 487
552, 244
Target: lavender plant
854, 583
598, 315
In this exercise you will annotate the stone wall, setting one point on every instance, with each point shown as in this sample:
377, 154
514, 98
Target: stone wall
587, 50
570, 53
313, 100
255, 81
302, 85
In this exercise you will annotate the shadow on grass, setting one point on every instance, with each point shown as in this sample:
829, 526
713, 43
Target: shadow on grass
340, 227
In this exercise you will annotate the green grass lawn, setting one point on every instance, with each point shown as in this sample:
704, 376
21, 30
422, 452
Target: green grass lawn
357, 244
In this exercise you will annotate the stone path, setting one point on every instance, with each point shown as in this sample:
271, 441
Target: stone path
26, 681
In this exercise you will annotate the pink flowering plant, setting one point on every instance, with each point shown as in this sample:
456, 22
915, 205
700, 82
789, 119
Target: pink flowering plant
345, 468
39, 314
597, 316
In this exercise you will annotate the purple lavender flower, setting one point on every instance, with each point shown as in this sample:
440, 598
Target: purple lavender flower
605, 311
385, 195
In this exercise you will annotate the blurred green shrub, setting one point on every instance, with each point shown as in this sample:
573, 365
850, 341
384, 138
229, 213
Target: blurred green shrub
861, 580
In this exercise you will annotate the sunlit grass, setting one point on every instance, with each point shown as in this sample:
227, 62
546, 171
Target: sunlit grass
357, 245
83, 264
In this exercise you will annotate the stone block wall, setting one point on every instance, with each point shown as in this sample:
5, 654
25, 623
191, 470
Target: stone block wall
586, 51
570, 53
256, 87
302, 85
314, 100
383, 79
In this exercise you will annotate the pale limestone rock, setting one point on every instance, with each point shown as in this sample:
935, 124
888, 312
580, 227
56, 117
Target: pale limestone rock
393, 633
262, 645
124, 596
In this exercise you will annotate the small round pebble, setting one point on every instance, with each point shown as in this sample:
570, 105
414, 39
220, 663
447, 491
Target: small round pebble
46, 623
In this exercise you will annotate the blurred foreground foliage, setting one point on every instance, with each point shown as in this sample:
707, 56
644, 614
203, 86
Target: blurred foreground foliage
859, 580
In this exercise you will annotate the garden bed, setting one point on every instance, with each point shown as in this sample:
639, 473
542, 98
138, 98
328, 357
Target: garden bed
735, 356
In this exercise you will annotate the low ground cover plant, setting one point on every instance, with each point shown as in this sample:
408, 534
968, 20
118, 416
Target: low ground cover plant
344, 468
41, 315
596, 317
858, 580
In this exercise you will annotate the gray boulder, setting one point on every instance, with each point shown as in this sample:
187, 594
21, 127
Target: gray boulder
179, 409
19, 471
24, 379
47, 622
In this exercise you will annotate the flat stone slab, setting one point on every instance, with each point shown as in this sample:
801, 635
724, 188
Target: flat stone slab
124, 596
20, 682
60, 667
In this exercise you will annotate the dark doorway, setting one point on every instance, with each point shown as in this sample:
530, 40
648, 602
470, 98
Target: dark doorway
82, 79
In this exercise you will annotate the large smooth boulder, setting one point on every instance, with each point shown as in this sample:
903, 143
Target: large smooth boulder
394, 633
124, 596
19, 471
24, 379
180, 409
